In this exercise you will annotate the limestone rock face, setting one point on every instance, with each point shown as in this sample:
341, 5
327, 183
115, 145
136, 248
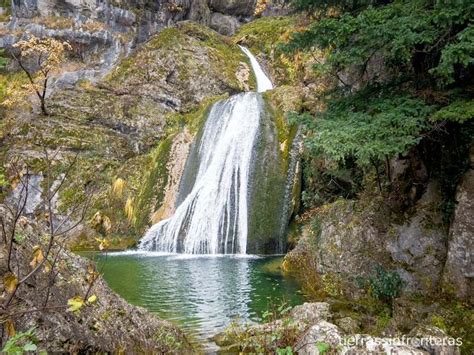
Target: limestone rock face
199, 12
25, 8
175, 166
418, 246
233, 7
355, 237
459, 270
224, 24
151, 17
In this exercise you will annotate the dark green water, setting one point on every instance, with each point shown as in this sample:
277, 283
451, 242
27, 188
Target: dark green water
202, 294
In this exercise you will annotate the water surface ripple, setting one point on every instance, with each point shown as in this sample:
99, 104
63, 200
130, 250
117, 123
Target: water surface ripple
202, 294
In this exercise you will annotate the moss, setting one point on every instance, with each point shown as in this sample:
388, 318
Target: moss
155, 178
55, 22
457, 320
7, 10
117, 243
193, 119
266, 204
286, 131
274, 266
185, 46
263, 34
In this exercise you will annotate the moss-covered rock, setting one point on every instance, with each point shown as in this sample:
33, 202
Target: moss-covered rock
349, 239
271, 203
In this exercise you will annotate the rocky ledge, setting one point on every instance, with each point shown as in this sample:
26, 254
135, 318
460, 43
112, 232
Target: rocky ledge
311, 329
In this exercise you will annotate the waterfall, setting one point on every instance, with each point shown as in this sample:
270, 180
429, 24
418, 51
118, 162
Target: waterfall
213, 212
263, 82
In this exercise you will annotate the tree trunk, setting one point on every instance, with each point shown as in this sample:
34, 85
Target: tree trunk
43, 107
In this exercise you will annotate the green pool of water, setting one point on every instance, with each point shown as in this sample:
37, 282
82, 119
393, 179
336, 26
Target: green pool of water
202, 294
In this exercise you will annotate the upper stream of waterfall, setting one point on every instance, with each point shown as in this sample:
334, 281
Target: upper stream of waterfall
263, 82
213, 212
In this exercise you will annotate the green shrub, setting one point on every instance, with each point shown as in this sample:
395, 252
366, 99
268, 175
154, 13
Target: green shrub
385, 285
21, 342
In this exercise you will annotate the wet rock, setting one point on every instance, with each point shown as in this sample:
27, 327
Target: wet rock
243, 76
175, 167
224, 24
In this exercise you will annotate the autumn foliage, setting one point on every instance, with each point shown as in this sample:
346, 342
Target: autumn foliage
39, 58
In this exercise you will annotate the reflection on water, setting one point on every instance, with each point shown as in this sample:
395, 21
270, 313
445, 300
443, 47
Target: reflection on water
203, 294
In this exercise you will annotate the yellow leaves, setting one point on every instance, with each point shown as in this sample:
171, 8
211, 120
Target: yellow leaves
49, 50
107, 224
37, 256
103, 243
48, 54
23, 221
101, 223
75, 304
10, 327
10, 282
117, 187
13, 95
92, 275
96, 220
260, 7
90, 268
129, 210
47, 266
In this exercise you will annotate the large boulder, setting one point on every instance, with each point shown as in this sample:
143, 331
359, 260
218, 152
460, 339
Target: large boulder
199, 12
311, 313
459, 269
351, 238
417, 247
320, 333
244, 8
224, 24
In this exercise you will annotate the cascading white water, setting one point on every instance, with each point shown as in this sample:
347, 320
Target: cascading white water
263, 82
213, 217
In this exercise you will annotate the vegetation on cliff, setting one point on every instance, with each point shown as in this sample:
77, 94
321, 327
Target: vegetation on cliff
403, 72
